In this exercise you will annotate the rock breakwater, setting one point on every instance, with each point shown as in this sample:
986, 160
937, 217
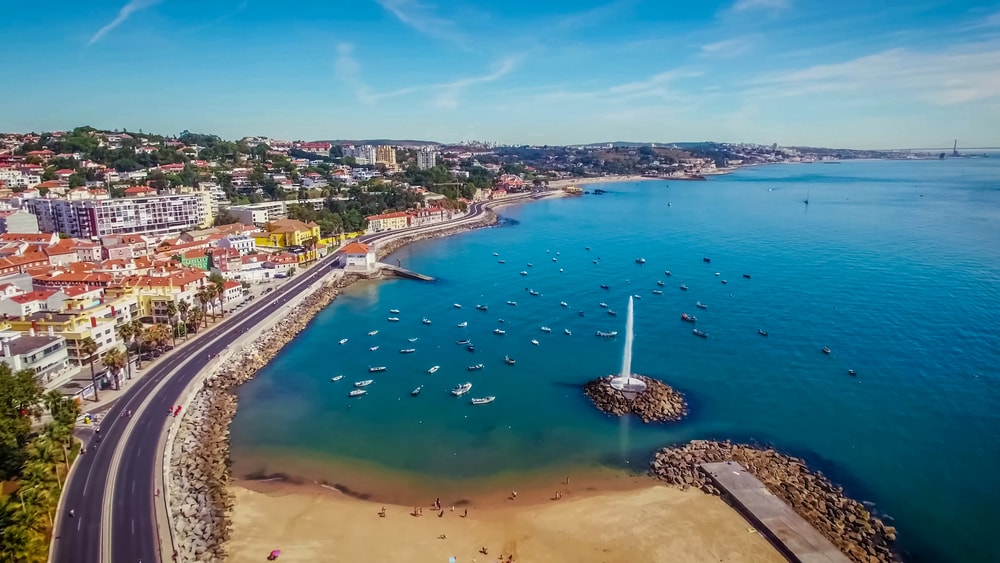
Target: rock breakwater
199, 469
658, 403
844, 521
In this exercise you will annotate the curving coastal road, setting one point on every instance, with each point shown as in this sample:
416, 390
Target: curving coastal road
111, 488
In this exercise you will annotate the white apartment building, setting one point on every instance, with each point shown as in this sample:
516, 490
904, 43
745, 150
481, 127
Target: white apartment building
242, 243
260, 213
363, 154
149, 215
19, 179
426, 158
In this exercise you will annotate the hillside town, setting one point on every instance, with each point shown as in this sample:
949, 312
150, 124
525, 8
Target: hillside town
114, 244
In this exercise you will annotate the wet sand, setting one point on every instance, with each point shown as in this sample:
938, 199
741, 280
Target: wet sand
650, 523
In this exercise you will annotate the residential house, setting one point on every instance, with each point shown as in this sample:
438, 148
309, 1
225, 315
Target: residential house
359, 256
387, 222
45, 355
32, 302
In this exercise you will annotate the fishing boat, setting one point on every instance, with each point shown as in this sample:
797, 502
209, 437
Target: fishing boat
667, 273
657, 292
484, 400
587, 248
495, 254
501, 261
376, 369
407, 350
724, 282
393, 319
394, 311
747, 276
475, 367
364, 383
563, 304
499, 331
523, 273
554, 259
545, 329
482, 307
532, 292
434, 369
530, 265
512, 303
463, 324
612, 313
609, 334
462, 342
826, 349
471, 347
508, 360
535, 342
416, 391
343, 341
637, 296
761, 332
426, 321
337, 378
357, 393
689, 318
604, 286
567, 332
684, 287
373, 348
414, 339
457, 305
659, 283
851, 372
640, 260
706, 260
603, 305
462, 389
700, 333
701, 305
373, 333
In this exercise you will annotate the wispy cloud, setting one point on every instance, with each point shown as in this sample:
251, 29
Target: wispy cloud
730, 47
966, 74
451, 92
123, 15
348, 69
593, 16
422, 18
750, 5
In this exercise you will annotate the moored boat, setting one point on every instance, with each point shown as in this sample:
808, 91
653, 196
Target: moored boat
657, 292
376, 369
689, 318
684, 287
484, 400
343, 341
608, 334
462, 389
523, 273
508, 360
416, 391
414, 339
761, 332
700, 333
463, 324
426, 321
457, 305
707, 260
499, 331
462, 342
475, 367
612, 313
602, 305
482, 307
659, 283
535, 342
851, 372
357, 393
407, 350
545, 329
512, 303
567, 332
364, 383
337, 378
563, 304
373, 333
532, 292
501, 261
747, 276
373, 348
393, 319
667, 273
826, 349
724, 282
394, 311
640, 260
701, 305
604, 286
471, 347
434, 369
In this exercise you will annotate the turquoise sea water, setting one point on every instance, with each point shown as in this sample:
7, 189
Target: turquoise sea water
893, 265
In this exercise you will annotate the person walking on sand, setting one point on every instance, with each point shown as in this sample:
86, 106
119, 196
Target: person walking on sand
513, 494
466, 513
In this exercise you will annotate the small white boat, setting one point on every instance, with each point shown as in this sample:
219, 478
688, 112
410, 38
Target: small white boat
426, 321
657, 292
462, 389
376, 369
508, 360
535, 342
603, 305
414, 339
637, 296
373, 348
456, 305
393, 319
482, 308
463, 324
484, 400
555, 260
640, 260
530, 265
373, 333
533, 292
523, 273
475, 367
701, 305
612, 313
563, 304
364, 383
434, 369
499, 331
357, 393
495, 254
462, 342
610, 334
683, 287
501, 261
659, 283
337, 378
394, 311
560, 269
416, 391
512, 303
567, 331
545, 329
343, 341
407, 350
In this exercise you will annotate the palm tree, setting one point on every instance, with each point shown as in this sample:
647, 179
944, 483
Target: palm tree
220, 293
137, 333
203, 299
184, 307
195, 317
88, 348
115, 361
126, 332
172, 319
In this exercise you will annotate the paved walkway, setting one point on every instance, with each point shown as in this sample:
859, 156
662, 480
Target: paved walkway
795, 538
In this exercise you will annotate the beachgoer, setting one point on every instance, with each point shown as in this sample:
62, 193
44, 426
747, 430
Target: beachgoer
440, 514
513, 494
466, 513
157, 493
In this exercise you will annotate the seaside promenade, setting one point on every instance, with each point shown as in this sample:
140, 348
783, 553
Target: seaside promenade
112, 489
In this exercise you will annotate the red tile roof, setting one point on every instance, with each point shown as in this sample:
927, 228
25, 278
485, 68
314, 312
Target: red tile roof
356, 248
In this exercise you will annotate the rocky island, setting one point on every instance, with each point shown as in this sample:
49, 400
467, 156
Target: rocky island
658, 403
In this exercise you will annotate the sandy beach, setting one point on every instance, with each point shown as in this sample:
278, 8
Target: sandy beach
580, 182
650, 523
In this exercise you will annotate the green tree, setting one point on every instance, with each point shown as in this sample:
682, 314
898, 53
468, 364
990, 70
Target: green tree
115, 360
88, 348
20, 394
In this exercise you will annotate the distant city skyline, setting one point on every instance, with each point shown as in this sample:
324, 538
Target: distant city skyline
913, 75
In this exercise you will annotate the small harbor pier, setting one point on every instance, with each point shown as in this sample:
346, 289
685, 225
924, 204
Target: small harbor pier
795, 538
389, 269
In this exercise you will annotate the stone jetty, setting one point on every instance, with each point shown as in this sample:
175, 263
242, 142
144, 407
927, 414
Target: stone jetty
658, 403
845, 522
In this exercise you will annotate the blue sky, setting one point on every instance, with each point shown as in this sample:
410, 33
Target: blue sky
848, 73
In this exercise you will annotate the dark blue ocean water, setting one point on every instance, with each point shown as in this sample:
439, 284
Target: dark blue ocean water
893, 265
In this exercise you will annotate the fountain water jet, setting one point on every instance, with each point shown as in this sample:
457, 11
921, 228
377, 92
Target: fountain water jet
624, 382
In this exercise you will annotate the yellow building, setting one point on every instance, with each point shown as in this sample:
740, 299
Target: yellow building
152, 294
285, 233
74, 326
387, 222
385, 154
